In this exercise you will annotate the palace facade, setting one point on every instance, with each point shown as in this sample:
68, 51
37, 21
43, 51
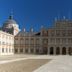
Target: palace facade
60, 37
53, 41
56, 40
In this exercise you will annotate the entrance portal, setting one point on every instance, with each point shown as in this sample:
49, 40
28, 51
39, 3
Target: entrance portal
64, 50
51, 50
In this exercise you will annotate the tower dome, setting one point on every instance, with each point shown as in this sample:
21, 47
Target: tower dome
10, 22
11, 26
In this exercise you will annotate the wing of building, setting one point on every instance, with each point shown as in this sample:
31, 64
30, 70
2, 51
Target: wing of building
9, 29
10, 26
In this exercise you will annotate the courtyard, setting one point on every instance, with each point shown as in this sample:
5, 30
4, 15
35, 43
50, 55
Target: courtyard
36, 63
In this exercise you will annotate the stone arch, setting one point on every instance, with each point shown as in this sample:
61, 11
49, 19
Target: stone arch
51, 50
57, 50
64, 50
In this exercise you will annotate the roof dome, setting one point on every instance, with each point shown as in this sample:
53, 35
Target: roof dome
9, 23
10, 20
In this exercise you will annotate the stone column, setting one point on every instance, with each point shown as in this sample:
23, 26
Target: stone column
54, 51
18, 50
60, 50
55, 41
48, 51
24, 45
34, 46
29, 45
29, 50
67, 51
23, 50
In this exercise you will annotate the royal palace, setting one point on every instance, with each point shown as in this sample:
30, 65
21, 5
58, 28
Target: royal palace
56, 40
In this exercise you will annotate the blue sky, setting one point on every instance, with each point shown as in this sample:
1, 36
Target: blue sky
34, 13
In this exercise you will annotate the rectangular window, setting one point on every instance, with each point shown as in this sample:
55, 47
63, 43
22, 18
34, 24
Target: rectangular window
52, 32
16, 38
64, 40
57, 32
58, 40
26, 41
69, 32
52, 40
69, 40
37, 41
32, 41
3, 50
45, 41
21, 38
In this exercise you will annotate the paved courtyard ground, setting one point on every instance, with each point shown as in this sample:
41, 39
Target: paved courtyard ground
28, 65
36, 63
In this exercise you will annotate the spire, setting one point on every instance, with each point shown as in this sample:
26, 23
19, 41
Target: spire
11, 15
55, 18
64, 17
42, 27
31, 29
24, 30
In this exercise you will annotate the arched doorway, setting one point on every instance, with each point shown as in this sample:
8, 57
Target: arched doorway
70, 51
64, 50
51, 50
57, 50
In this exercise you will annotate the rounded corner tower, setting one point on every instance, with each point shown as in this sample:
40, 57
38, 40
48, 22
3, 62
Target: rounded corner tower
11, 26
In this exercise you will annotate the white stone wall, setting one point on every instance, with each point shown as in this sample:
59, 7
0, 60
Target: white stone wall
16, 29
6, 43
